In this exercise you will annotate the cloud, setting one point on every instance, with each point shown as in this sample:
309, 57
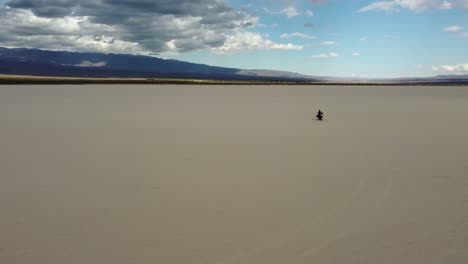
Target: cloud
274, 25
289, 11
309, 13
363, 39
328, 43
121, 26
251, 41
356, 54
458, 68
326, 55
464, 3
423, 5
21, 28
446, 5
412, 5
91, 64
462, 68
380, 6
317, 2
297, 35
309, 25
453, 29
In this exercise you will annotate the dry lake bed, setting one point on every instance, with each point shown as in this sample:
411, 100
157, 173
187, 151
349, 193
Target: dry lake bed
233, 174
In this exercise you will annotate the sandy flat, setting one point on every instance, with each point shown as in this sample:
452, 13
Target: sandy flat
218, 175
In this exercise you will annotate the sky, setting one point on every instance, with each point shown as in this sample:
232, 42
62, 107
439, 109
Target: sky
343, 38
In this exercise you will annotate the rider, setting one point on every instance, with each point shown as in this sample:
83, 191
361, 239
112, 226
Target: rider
319, 115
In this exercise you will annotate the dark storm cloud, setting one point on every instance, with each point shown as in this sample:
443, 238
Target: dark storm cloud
154, 25
53, 8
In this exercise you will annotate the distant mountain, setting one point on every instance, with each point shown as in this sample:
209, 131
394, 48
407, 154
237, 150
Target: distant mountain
451, 77
98, 65
74, 64
448, 79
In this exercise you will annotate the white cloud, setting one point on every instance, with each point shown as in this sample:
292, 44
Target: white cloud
309, 13
297, 35
326, 55
453, 29
446, 5
413, 5
171, 45
381, 6
458, 68
328, 43
363, 39
25, 29
461, 68
243, 40
356, 54
422, 5
289, 11
91, 64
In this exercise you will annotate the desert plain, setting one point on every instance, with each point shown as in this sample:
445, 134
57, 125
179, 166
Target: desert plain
199, 174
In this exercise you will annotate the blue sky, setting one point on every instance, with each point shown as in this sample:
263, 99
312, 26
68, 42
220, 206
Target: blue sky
404, 43
317, 37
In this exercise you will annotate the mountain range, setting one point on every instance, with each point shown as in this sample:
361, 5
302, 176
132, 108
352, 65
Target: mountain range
73, 64
37, 62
